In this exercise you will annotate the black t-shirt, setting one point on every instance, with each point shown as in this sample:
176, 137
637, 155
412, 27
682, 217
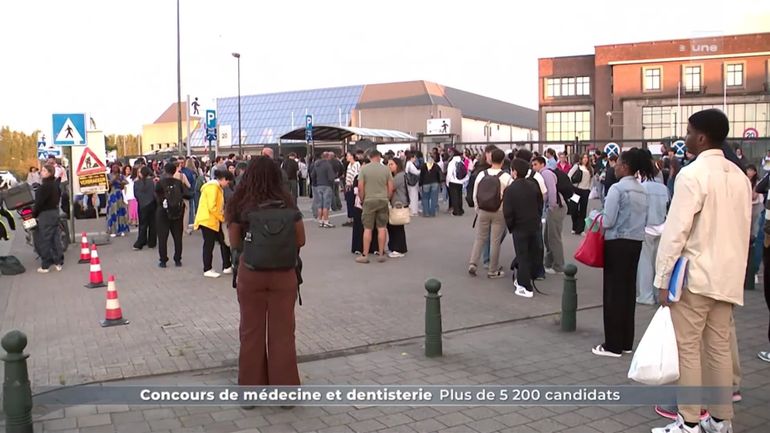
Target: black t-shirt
291, 168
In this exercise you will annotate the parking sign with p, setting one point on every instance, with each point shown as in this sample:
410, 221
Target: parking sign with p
211, 119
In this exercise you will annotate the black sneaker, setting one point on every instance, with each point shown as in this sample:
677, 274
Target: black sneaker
161, 264
178, 264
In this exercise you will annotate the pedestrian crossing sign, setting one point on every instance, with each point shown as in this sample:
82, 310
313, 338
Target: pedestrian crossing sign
69, 129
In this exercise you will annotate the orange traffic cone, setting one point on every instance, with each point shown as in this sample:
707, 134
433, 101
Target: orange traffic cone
85, 253
96, 278
113, 315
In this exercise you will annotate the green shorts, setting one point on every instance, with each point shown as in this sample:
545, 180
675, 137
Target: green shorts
375, 212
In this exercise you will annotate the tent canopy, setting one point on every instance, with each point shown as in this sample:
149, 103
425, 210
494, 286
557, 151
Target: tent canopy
339, 133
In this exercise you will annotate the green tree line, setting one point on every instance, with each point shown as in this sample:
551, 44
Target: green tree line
18, 150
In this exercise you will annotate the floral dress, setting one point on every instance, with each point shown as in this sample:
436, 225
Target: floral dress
117, 212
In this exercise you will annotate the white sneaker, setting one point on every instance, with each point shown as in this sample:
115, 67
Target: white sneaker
551, 271
227, 270
58, 268
395, 254
523, 292
678, 426
43, 271
112, 235
708, 425
211, 274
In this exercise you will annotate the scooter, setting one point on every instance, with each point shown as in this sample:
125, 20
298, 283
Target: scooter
21, 199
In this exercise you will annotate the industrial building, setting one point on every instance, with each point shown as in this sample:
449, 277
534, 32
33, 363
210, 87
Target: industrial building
640, 93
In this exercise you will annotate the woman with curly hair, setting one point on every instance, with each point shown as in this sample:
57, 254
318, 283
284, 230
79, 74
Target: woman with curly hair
267, 287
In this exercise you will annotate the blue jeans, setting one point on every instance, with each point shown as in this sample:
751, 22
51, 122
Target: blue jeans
192, 208
430, 199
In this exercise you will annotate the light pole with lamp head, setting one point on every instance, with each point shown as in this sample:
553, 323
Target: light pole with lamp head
240, 135
178, 83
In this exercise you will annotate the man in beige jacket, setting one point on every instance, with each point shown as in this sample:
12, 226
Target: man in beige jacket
708, 223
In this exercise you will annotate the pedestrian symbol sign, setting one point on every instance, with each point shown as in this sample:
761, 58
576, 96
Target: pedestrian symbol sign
90, 163
69, 129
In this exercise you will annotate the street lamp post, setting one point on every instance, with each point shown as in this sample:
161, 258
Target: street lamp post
240, 135
178, 83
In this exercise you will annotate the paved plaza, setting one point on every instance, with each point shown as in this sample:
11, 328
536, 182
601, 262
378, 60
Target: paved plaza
360, 324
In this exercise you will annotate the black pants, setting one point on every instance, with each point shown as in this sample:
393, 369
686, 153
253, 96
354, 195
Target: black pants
294, 189
350, 201
336, 202
396, 238
357, 236
579, 217
47, 239
166, 226
766, 261
302, 187
210, 237
621, 259
526, 246
456, 198
147, 235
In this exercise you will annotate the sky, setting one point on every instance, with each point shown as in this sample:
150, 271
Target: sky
116, 60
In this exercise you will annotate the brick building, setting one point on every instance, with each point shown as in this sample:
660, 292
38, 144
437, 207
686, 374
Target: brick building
646, 91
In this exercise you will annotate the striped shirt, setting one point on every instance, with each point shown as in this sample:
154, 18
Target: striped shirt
352, 172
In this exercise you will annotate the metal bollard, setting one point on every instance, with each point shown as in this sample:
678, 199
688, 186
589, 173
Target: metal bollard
433, 345
17, 394
569, 299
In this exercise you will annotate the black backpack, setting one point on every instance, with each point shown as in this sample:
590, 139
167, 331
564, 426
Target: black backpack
563, 186
489, 195
271, 241
174, 199
460, 170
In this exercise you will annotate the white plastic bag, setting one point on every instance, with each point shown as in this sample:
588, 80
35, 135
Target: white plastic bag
656, 360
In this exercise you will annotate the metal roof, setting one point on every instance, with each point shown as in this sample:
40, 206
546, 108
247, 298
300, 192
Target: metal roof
339, 133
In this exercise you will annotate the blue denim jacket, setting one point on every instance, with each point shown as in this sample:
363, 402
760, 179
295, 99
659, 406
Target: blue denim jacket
657, 200
625, 210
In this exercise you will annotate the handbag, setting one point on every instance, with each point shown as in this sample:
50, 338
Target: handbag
398, 215
591, 249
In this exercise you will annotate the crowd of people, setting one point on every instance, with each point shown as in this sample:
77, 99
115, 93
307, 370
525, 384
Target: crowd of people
706, 207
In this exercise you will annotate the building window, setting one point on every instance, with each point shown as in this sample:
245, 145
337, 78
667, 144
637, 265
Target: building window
667, 121
652, 79
567, 125
583, 86
658, 122
734, 74
568, 86
552, 87
692, 79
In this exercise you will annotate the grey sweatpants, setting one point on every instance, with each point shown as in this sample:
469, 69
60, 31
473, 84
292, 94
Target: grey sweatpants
554, 248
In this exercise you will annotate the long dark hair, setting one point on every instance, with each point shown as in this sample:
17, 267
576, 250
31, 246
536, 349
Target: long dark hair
261, 182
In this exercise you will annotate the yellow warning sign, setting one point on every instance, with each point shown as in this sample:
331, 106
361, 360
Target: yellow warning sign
93, 183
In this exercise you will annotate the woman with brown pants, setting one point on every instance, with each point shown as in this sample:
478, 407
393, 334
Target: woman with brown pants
266, 294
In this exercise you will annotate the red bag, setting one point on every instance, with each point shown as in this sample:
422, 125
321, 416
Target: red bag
591, 249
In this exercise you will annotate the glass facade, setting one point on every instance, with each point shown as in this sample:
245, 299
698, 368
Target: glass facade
662, 122
266, 117
566, 125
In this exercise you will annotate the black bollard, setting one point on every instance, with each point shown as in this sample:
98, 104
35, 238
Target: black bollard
569, 299
17, 394
433, 344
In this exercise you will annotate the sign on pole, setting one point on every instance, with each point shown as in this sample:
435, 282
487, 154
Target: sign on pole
69, 129
750, 133
211, 119
308, 127
679, 148
612, 149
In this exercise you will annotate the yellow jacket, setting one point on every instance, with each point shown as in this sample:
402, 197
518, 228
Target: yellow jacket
210, 212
